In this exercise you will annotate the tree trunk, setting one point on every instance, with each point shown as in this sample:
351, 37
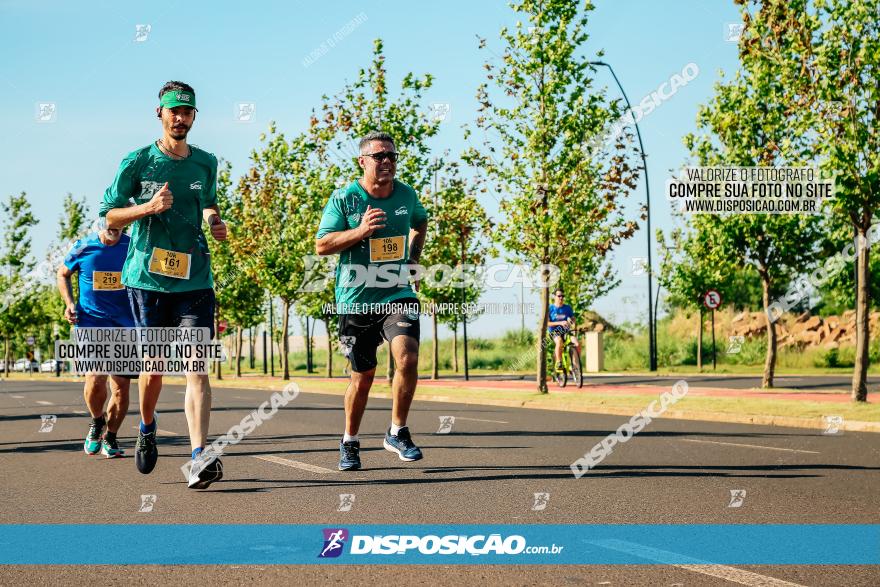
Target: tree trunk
6, 366
239, 335
284, 339
329, 349
700, 340
435, 358
455, 346
770, 360
541, 338
863, 294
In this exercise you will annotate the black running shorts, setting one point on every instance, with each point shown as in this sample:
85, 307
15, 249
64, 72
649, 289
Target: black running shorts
361, 334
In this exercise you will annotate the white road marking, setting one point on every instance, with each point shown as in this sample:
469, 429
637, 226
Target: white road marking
294, 464
78, 412
160, 431
732, 574
812, 452
43, 402
18, 396
481, 420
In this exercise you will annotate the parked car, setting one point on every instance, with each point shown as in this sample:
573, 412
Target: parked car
49, 366
23, 365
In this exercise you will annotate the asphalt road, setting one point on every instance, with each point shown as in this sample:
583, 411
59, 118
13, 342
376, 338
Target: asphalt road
486, 470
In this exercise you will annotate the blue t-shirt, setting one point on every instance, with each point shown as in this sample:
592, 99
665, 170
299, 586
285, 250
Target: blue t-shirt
101, 293
561, 313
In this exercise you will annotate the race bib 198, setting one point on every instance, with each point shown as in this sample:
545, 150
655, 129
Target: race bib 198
386, 249
170, 263
107, 281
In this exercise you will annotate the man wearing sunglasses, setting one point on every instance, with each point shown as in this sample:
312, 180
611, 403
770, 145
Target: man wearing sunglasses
561, 320
101, 303
376, 224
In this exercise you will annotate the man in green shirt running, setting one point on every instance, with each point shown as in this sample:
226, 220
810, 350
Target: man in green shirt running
165, 191
376, 225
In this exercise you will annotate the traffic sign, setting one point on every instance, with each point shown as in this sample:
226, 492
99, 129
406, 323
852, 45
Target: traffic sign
222, 325
30, 341
712, 299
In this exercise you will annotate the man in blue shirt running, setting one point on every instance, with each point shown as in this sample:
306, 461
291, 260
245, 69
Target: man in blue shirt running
102, 302
560, 322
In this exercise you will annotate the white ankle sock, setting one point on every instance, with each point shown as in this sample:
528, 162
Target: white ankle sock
395, 428
346, 437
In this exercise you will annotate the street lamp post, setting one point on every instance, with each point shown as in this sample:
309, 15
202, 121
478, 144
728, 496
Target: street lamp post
652, 327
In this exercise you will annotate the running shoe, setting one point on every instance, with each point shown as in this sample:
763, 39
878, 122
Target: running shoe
110, 449
349, 455
92, 445
205, 471
146, 454
403, 445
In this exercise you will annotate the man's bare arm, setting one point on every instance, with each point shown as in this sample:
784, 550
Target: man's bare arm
332, 243
122, 217
63, 280
417, 241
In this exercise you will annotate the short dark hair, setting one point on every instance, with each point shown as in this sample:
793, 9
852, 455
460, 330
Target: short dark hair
376, 135
558, 290
175, 86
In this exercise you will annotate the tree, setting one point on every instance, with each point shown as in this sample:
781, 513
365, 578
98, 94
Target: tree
563, 204
745, 124
72, 222
239, 297
18, 306
826, 56
459, 234
273, 196
689, 273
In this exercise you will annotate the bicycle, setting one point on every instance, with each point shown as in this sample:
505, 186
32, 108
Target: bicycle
571, 363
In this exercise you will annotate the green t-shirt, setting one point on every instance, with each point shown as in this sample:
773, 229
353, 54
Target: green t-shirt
387, 248
193, 183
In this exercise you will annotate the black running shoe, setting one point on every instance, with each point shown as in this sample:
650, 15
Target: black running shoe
145, 452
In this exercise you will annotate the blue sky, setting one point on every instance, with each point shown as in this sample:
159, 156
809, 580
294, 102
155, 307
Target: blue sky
86, 61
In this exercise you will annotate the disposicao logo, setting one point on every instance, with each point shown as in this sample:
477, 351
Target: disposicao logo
334, 541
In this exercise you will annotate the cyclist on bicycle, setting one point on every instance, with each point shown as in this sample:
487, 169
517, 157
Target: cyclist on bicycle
560, 323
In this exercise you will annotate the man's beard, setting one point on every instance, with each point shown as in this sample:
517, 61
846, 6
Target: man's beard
178, 134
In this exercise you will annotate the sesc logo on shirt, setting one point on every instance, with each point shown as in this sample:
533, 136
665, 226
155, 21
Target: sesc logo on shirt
196, 185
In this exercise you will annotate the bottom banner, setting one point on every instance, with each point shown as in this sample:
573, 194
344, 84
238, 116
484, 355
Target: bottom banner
164, 544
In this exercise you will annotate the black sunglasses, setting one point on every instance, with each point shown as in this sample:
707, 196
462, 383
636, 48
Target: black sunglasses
382, 155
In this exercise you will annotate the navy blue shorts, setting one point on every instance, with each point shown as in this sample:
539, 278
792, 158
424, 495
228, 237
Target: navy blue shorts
183, 309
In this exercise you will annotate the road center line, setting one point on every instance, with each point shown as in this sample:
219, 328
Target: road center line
812, 452
43, 402
294, 464
732, 574
481, 420
160, 431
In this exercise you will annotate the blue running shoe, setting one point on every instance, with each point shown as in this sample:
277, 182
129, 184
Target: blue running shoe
92, 445
403, 445
349, 455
